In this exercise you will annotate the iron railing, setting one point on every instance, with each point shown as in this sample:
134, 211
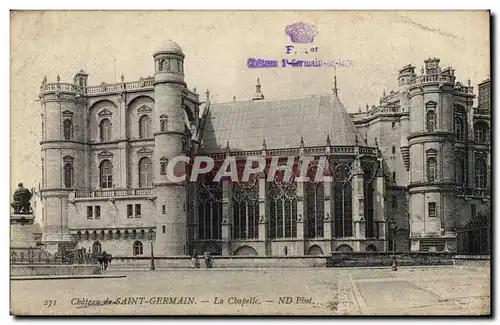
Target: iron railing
39, 256
475, 237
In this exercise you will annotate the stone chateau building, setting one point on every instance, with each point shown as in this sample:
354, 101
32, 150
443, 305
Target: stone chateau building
419, 160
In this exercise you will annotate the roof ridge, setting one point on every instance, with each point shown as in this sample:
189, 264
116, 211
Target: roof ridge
272, 100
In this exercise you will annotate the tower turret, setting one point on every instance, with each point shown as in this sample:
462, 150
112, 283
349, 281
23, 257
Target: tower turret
62, 150
169, 130
431, 147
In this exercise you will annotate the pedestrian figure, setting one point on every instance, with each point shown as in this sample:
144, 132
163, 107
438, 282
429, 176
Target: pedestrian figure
206, 256
103, 259
193, 259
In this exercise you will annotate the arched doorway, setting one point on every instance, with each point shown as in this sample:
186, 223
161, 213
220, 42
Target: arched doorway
315, 250
344, 248
246, 251
371, 248
212, 247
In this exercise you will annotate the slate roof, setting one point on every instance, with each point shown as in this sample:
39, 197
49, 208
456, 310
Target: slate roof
281, 123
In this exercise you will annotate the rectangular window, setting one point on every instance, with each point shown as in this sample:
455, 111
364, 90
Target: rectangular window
394, 201
393, 124
394, 176
90, 213
393, 149
97, 210
163, 209
137, 210
472, 210
130, 211
164, 229
432, 209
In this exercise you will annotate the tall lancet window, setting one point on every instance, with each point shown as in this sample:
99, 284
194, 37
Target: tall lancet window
145, 172
106, 174
283, 207
105, 130
209, 209
145, 127
245, 200
342, 200
315, 209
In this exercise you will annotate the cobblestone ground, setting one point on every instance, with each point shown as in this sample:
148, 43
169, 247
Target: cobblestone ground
368, 291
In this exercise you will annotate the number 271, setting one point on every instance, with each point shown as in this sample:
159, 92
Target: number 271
49, 303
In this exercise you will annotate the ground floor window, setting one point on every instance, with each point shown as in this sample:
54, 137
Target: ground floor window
138, 248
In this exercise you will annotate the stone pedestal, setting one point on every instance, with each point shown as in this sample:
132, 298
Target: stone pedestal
21, 231
414, 244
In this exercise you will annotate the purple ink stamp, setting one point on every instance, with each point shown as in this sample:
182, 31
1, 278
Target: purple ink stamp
301, 32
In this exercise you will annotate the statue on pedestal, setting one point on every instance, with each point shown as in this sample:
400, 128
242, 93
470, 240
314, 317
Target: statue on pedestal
22, 197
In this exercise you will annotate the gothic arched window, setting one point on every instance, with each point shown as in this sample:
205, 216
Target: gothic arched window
480, 172
68, 175
209, 210
315, 210
106, 174
343, 200
145, 127
481, 132
97, 248
245, 199
145, 172
105, 130
283, 206
163, 166
431, 169
138, 248
68, 129
430, 120
163, 123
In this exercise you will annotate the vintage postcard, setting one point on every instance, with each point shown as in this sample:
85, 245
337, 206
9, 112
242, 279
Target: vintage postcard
250, 163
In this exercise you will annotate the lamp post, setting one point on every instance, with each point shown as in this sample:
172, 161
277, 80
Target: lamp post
151, 238
393, 228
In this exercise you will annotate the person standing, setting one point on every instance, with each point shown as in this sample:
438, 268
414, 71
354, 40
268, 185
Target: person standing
206, 257
193, 259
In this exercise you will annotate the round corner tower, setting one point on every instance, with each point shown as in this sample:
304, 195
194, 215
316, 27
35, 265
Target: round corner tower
431, 147
62, 154
169, 130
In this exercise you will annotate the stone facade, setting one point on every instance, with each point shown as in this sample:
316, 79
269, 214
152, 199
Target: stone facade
105, 149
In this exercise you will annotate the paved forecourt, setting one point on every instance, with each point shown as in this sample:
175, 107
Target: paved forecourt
367, 291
